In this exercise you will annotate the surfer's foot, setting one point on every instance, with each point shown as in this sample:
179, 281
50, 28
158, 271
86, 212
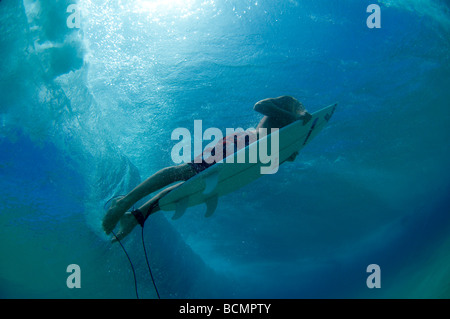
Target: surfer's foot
115, 212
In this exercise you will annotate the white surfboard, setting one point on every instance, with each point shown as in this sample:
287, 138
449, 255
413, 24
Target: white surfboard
224, 177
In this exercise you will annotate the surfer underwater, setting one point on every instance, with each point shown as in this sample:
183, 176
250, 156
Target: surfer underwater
278, 112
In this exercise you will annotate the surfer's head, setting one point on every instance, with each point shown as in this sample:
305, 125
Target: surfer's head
297, 107
292, 104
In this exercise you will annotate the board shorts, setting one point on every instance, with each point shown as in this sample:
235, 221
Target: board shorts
229, 144
200, 167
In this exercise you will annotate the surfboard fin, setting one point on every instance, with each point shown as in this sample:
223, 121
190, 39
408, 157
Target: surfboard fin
211, 205
210, 183
182, 205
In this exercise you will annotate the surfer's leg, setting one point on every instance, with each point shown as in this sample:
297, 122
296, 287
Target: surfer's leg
160, 179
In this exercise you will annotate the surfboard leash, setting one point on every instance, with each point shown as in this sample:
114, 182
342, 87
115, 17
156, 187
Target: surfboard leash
132, 267
145, 253
148, 264
141, 219
131, 264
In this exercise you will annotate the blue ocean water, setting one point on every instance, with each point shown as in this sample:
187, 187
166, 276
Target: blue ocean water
87, 113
